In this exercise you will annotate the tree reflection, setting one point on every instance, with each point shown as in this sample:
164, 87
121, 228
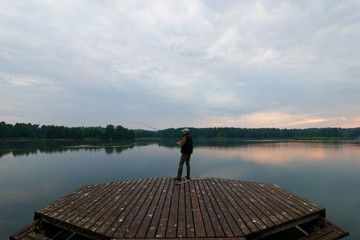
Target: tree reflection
25, 148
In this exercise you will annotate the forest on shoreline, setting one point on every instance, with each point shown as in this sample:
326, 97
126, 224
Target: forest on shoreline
35, 131
111, 132
258, 133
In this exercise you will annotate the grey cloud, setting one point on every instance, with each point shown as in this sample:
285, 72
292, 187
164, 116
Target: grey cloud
180, 61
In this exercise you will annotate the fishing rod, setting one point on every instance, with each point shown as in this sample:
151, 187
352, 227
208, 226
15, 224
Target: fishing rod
153, 128
147, 125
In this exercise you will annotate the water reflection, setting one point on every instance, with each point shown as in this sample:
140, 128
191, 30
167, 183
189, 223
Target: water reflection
283, 152
262, 152
26, 148
34, 174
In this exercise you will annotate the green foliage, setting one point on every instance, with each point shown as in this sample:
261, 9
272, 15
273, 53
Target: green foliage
111, 132
22, 130
256, 133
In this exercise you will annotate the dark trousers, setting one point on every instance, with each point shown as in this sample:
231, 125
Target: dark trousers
185, 157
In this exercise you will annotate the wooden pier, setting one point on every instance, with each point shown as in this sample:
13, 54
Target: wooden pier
160, 208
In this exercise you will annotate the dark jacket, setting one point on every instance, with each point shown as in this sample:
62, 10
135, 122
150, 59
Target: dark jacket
187, 147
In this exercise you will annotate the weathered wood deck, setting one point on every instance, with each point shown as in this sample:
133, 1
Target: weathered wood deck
156, 208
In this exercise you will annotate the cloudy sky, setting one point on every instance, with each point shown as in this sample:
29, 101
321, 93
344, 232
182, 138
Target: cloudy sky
241, 63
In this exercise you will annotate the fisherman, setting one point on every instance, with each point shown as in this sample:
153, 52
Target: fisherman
186, 145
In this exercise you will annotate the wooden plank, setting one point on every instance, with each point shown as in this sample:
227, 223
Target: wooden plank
271, 209
253, 211
298, 206
329, 231
96, 208
234, 238
190, 227
158, 211
224, 200
96, 213
64, 201
102, 220
164, 213
139, 213
222, 214
243, 208
210, 232
264, 212
287, 209
181, 220
201, 208
216, 225
133, 208
242, 219
71, 225
64, 213
267, 206
172, 223
295, 217
22, 233
305, 210
199, 227
37, 236
121, 210
146, 226
319, 234
57, 208
340, 231
302, 204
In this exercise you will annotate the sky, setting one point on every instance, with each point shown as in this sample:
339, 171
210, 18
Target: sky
180, 63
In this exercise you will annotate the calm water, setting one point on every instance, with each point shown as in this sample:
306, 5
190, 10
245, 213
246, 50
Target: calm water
328, 174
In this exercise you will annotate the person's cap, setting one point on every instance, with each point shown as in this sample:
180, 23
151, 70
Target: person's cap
185, 130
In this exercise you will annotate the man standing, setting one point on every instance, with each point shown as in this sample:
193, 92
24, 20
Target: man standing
186, 144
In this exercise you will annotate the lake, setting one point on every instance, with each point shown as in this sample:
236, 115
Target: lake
35, 174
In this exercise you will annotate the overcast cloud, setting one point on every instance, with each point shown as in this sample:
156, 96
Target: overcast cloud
247, 63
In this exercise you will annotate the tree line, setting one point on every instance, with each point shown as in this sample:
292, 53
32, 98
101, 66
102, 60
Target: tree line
257, 133
111, 132
28, 130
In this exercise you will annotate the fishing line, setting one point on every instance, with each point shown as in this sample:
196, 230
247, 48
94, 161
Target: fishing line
147, 125
152, 128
